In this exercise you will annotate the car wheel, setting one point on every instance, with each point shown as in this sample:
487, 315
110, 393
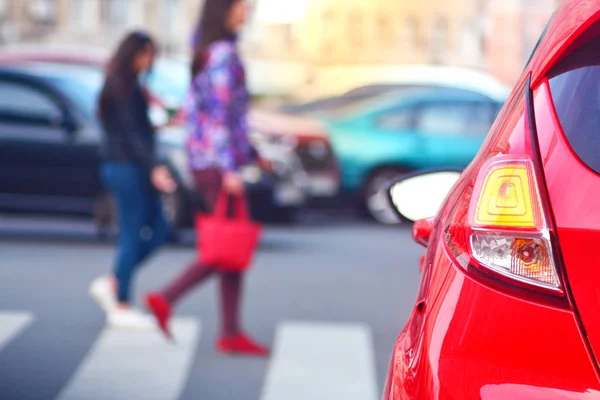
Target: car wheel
375, 203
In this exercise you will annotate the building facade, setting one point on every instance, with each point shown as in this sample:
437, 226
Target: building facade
514, 27
335, 32
495, 35
96, 22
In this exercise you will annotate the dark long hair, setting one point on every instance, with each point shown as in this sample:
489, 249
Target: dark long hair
212, 27
121, 76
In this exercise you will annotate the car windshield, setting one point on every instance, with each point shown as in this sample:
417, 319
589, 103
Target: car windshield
370, 102
323, 106
169, 80
337, 107
83, 88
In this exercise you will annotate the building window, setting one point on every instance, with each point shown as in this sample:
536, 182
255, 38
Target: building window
469, 43
80, 14
327, 36
355, 28
42, 11
289, 36
411, 33
385, 28
118, 12
438, 41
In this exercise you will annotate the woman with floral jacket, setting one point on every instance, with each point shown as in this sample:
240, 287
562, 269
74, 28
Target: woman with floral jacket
218, 147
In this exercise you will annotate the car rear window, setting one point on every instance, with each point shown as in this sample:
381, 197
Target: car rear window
575, 87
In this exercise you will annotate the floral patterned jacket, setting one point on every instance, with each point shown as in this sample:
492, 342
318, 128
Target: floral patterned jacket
215, 109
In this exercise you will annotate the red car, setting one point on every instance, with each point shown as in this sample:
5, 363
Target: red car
509, 302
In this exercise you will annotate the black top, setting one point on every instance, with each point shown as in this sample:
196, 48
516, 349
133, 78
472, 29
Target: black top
128, 132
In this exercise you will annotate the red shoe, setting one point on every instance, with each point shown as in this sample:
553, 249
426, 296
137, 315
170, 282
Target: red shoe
160, 307
241, 344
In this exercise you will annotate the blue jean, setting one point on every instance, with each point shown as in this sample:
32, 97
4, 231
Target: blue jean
139, 208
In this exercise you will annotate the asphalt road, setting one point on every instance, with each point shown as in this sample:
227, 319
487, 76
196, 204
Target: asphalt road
331, 294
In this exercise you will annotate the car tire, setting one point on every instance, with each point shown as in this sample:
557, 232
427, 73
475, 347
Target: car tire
374, 203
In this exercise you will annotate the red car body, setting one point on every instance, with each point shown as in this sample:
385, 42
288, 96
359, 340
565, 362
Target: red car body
475, 332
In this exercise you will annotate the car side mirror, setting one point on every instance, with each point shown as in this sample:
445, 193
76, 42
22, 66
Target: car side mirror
421, 195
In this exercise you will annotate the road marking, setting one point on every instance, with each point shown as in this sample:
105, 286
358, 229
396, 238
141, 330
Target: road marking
321, 361
12, 324
127, 365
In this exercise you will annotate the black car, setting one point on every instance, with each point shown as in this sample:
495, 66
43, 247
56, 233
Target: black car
49, 152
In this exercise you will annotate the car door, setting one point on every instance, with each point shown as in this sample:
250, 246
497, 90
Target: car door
374, 140
38, 158
399, 144
79, 164
453, 131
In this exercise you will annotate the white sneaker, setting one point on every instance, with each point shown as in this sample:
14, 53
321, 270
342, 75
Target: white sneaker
130, 319
102, 292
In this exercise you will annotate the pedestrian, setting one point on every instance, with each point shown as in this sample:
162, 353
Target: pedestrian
133, 176
218, 147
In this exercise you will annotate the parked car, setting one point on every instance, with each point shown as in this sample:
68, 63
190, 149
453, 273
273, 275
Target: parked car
167, 85
402, 131
49, 142
508, 303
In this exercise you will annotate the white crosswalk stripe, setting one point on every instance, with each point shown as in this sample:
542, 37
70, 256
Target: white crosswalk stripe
310, 360
321, 361
12, 324
135, 365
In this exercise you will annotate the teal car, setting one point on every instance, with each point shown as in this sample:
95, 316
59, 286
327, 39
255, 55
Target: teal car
403, 131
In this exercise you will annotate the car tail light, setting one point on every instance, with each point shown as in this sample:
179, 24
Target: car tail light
506, 195
508, 227
499, 228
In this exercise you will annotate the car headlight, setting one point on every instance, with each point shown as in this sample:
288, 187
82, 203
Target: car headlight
318, 150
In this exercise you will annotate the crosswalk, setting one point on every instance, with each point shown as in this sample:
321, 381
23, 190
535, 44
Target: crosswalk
310, 360
151, 366
321, 361
11, 324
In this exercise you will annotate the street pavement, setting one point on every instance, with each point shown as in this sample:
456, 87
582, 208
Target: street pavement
330, 294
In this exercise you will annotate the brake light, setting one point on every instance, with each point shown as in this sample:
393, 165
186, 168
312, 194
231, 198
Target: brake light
507, 195
500, 224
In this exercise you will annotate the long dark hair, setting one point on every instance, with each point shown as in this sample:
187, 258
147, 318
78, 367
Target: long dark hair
121, 76
212, 27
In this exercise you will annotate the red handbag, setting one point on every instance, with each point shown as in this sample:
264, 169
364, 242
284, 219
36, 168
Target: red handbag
227, 243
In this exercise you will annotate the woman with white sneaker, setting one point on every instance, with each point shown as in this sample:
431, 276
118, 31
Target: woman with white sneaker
133, 176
